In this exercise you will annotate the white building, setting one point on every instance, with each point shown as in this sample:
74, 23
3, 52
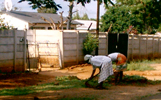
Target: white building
87, 25
33, 20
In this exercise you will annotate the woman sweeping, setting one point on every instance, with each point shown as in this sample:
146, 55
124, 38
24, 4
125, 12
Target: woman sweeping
121, 64
104, 63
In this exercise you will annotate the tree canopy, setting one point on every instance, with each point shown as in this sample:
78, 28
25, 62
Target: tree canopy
52, 4
46, 10
144, 15
84, 17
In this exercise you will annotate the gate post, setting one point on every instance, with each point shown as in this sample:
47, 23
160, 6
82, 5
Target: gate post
24, 55
15, 50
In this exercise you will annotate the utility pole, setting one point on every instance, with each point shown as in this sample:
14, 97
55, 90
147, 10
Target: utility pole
97, 27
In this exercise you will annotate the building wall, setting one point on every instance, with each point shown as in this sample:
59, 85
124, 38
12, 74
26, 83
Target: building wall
16, 23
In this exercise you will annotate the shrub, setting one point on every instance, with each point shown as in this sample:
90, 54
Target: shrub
90, 44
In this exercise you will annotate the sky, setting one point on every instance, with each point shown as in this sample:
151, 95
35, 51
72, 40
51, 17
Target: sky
90, 9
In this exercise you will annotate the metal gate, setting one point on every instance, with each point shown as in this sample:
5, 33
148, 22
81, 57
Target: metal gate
46, 55
118, 43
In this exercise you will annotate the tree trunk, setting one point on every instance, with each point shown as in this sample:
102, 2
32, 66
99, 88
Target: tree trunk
71, 5
97, 28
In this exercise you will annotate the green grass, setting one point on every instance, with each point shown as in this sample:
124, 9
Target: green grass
141, 65
65, 83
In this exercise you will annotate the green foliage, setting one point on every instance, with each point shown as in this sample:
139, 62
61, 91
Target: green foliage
159, 29
42, 3
90, 44
4, 25
85, 17
77, 16
121, 19
46, 10
144, 15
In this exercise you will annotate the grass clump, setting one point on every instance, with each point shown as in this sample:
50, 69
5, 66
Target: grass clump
142, 65
139, 66
65, 82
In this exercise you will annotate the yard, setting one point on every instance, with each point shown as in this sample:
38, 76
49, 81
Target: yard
53, 89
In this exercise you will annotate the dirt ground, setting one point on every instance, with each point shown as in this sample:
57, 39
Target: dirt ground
82, 72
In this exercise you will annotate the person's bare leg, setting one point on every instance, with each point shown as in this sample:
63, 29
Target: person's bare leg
100, 86
116, 77
121, 75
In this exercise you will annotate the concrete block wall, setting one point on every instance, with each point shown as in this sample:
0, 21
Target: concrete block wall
12, 50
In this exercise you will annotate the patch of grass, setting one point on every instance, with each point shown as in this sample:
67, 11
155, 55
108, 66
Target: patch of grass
64, 83
135, 80
139, 66
142, 65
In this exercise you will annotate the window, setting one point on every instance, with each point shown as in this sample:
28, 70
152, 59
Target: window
49, 28
64, 28
72, 28
37, 28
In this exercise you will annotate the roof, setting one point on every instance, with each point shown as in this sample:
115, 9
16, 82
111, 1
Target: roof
34, 17
86, 24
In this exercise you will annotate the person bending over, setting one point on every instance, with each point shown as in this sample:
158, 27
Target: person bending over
121, 64
104, 64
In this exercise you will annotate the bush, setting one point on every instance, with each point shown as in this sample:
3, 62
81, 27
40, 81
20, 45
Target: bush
90, 44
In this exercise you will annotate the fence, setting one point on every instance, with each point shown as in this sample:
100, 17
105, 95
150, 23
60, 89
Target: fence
144, 47
12, 50
69, 47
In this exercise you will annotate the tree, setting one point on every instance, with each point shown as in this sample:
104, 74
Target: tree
46, 10
148, 11
77, 16
121, 19
143, 15
85, 17
42, 3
